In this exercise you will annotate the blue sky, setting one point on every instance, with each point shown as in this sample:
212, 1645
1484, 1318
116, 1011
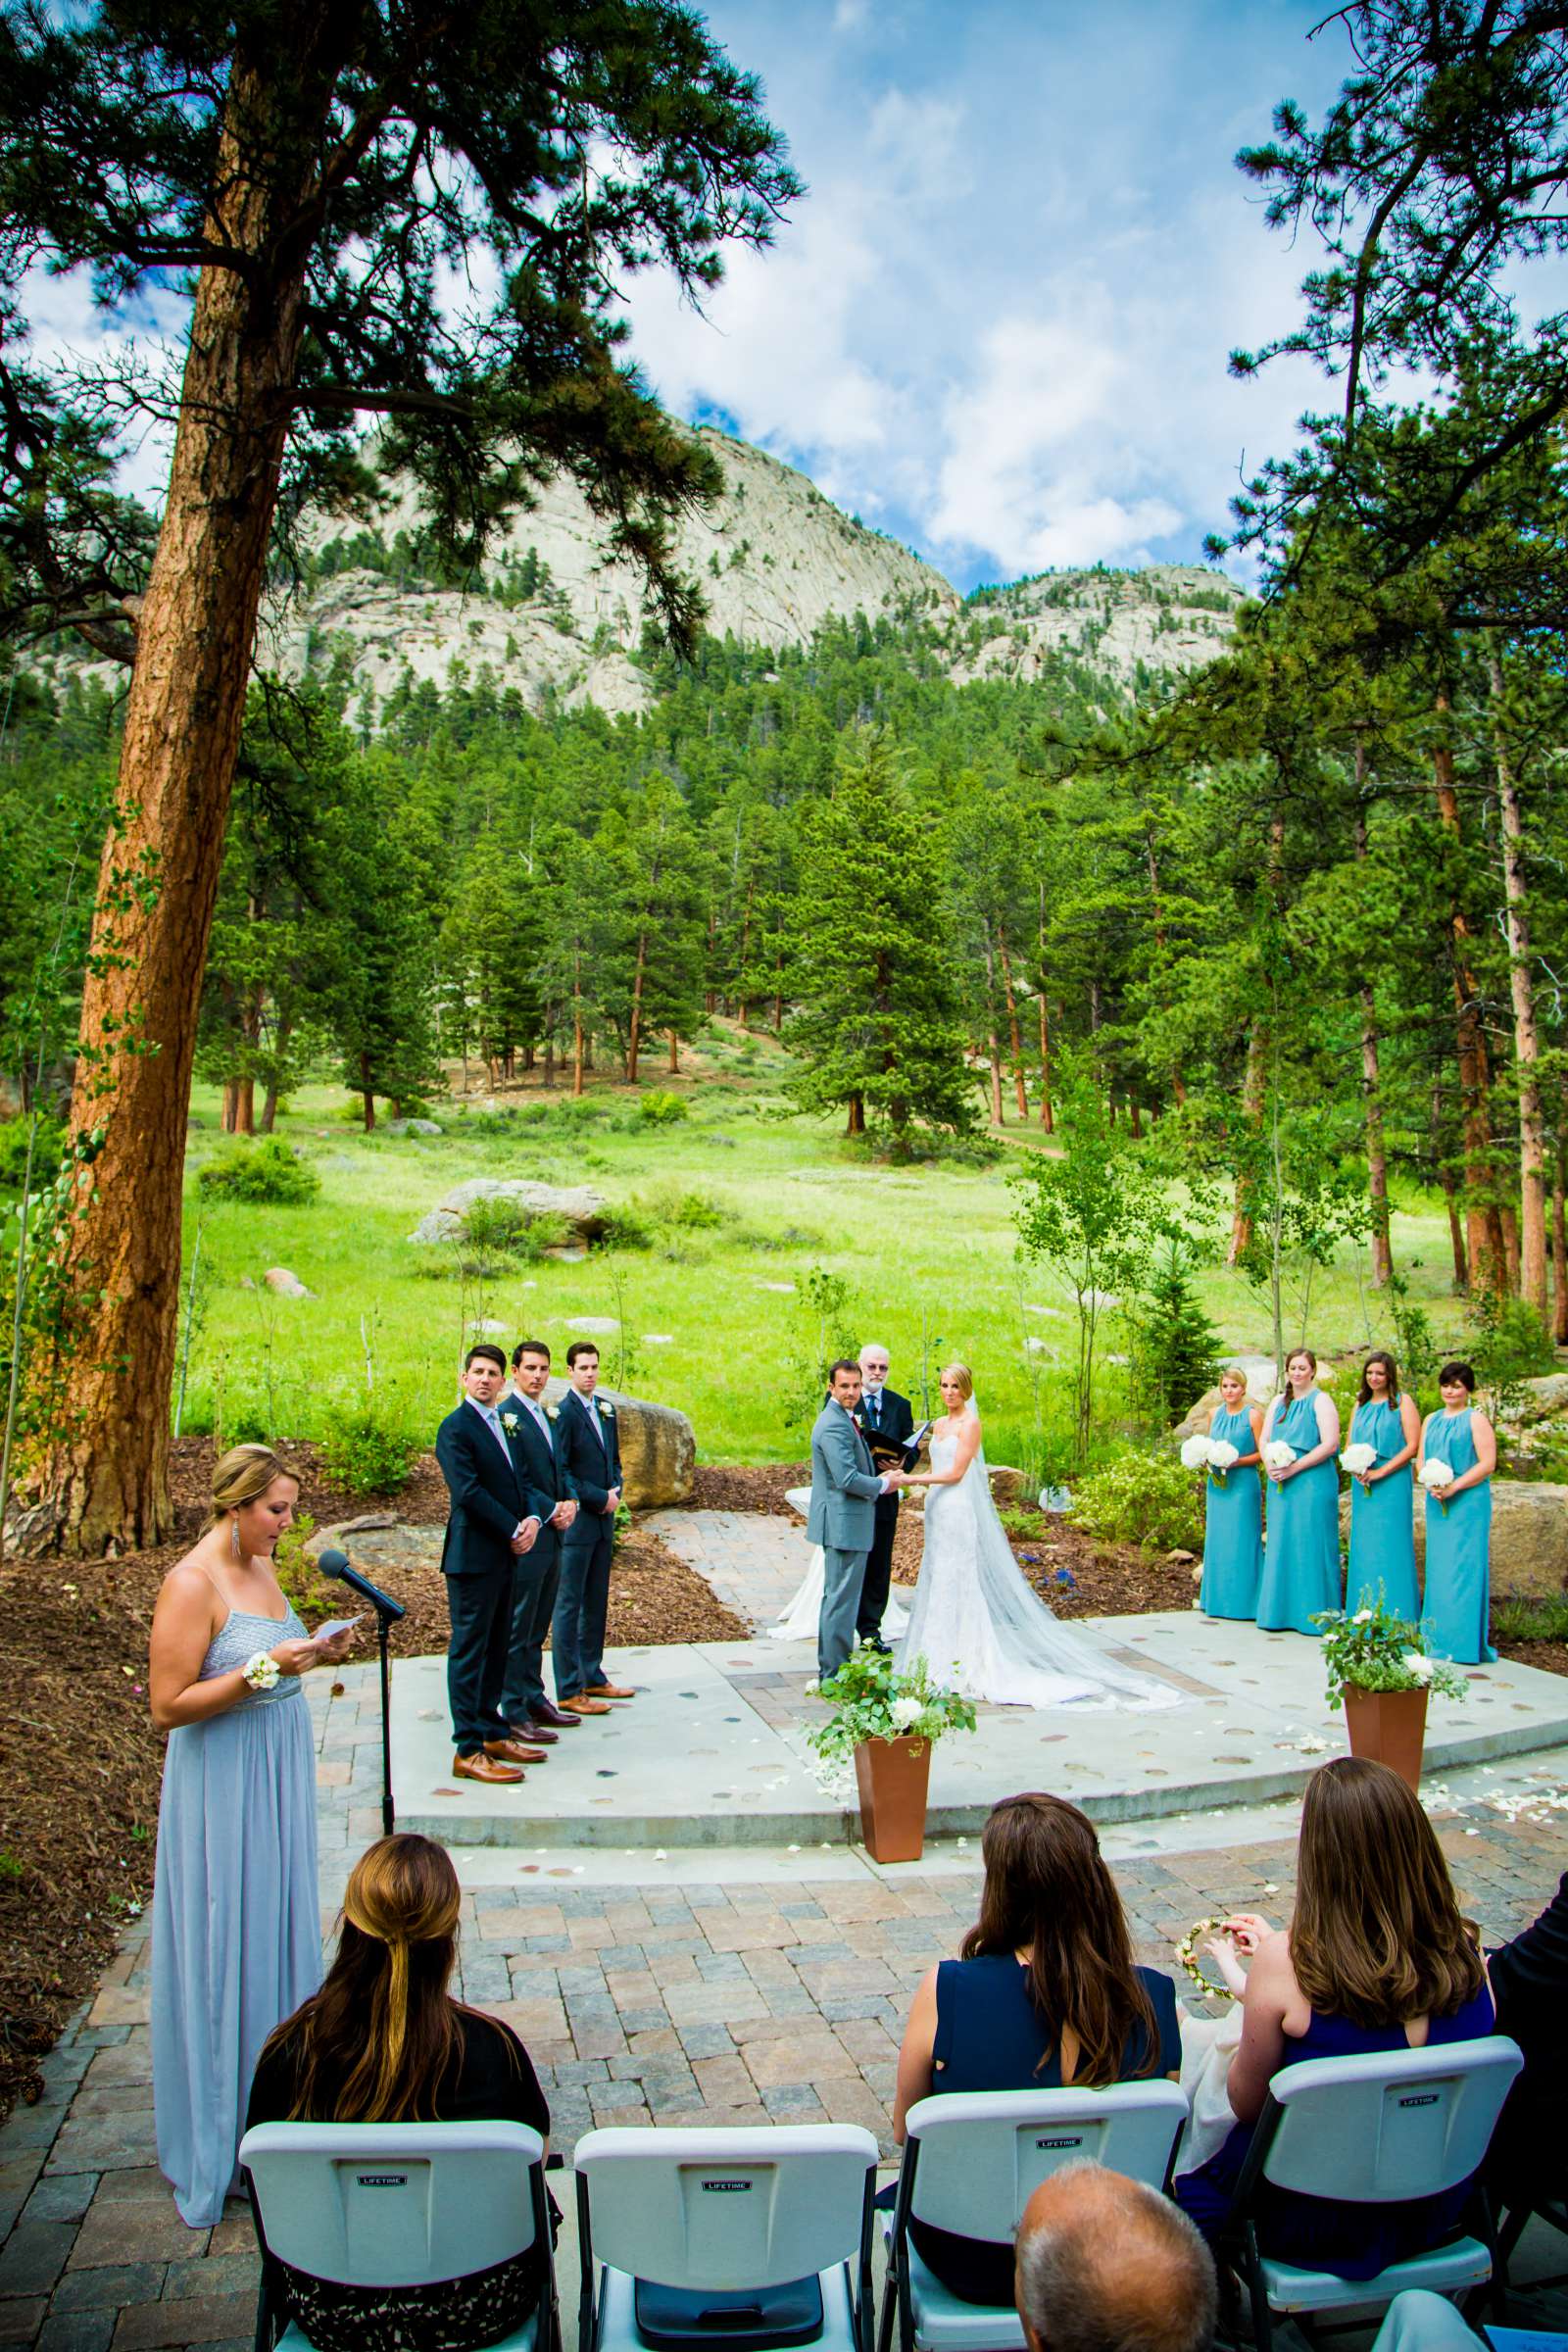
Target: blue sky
997, 326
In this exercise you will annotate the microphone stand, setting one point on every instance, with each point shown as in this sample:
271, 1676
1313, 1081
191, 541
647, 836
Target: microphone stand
336, 1563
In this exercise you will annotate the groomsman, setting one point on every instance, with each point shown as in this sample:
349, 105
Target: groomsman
533, 1426
887, 1423
590, 1448
494, 1522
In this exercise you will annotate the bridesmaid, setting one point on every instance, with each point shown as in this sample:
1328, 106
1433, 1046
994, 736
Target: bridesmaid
237, 1913
1233, 1524
1383, 1499
1459, 1536
1301, 1556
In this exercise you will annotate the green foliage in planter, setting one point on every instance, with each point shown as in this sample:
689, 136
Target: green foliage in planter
1375, 1650
1145, 1499
871, 1699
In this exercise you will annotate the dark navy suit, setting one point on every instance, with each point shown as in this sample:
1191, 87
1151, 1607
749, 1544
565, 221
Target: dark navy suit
536, 1576
593, 1465
893, 1421
489, 1499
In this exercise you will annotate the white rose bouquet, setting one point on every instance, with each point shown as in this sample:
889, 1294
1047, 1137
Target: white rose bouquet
1222, 1456
1278, 1455
1357, 1459
1437, 1476
1195, 1454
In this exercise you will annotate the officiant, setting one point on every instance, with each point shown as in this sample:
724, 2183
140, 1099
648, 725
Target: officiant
886, 1421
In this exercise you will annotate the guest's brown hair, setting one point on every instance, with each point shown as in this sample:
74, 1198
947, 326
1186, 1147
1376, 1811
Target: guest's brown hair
1377, 1935
1049, 1893
375, 2043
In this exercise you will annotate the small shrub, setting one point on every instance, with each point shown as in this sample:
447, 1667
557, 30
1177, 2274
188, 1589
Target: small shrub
496, 1226
691, 1211
266, 1171
48, 1145
628, 1228
1026, 1524
1143, 1498
1529, 1620
303, 1584
662, 1109
1507, 1346
365, 1451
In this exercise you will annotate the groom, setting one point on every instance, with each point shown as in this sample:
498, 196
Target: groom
845, 1490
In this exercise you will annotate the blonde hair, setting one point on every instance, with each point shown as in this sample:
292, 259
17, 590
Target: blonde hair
243, 1476
963, 1375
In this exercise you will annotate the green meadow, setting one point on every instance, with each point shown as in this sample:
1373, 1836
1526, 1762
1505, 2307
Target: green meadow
746, 1216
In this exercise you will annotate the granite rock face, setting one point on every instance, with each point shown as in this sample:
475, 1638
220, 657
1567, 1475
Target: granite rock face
658, 1447
579, 1205
1529, 1538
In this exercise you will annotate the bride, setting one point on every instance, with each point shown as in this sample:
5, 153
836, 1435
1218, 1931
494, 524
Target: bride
975, 1619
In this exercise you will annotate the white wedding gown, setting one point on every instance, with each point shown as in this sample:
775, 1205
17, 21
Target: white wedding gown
799, 1620
980, 1626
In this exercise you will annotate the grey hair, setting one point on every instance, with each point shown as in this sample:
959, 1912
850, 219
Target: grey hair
880, 1345
1078, 2280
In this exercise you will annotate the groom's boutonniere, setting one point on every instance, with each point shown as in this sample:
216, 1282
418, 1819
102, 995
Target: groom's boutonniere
552, 1412
509, 1422
606, 1412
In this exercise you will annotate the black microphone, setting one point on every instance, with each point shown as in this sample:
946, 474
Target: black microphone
333, 1562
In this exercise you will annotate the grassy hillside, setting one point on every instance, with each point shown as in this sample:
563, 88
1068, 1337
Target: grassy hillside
740, 1206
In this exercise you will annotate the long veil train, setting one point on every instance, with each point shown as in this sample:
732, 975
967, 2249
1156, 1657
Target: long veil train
980, 1625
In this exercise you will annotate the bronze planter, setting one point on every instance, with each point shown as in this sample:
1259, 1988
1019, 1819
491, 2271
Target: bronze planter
1390, 1726
893, 1776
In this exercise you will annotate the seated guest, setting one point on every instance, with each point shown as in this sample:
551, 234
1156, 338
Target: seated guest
1045, 1995
1527, 2163
1376, 1958
382, 2042
1107, 2265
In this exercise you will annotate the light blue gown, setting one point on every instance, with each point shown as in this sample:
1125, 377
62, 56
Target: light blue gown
236, 1915
1232, 1527
1382, 1520
1301, 1555
1458, 1550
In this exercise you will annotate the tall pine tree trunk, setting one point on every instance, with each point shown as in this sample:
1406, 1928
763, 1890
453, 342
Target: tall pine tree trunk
993, 1049
1484, 1238
634, 1040
109, 1472
269, 1117
675, 1055
1531, 1253
1014, 1035
1445, 1178
1047, 1119
1377, 1159
1559, 1243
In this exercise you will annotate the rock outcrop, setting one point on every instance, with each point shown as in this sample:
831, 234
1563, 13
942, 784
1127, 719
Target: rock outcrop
580, 1207
1529, 1538
1259, 1370
657, 1447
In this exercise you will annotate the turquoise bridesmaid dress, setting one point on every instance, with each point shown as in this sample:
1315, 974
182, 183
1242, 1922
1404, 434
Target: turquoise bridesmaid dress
1233, 1527
1382, 1520
1301, 1556
1458, 1550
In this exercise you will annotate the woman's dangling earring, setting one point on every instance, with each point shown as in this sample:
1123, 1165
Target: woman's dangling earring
233, 1534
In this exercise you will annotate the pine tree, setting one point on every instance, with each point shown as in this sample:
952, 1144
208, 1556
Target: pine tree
878, 1027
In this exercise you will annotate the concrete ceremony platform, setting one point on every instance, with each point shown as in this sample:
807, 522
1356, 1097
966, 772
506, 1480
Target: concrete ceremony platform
712, 1751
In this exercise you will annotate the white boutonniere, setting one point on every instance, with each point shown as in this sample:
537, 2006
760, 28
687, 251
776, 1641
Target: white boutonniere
509, 1422
606, 1412
552, 1412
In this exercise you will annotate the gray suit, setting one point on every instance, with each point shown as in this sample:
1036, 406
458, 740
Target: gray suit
843, 1520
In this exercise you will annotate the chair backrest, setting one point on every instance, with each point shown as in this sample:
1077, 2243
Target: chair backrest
983, 2153
752, 2207
1391, 2125
393, 2204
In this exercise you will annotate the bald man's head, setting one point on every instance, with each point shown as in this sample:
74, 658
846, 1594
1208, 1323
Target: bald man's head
1105, 2265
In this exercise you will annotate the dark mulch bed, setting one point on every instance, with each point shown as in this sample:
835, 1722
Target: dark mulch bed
752, 1486
1550, 1656
81, 1762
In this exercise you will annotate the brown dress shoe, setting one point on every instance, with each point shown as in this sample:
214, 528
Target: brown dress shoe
607, 1690
513, 1751
532, 1731
585, 1705
546, 1715
480, 1767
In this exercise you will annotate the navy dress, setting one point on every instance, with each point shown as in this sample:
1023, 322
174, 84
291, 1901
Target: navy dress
1322, 2233
991, 2036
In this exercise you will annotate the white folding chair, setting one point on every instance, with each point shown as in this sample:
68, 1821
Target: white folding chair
973, 2159
750, 2238
1373, 2131
397, 2205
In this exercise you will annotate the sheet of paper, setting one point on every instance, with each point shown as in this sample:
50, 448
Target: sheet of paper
332, 1628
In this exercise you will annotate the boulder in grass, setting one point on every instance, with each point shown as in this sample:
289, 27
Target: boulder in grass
657, 1447
596, 1326
1260, 1390
284, 1284
585, 1213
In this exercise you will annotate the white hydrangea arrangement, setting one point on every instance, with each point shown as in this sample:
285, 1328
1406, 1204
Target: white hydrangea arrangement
871, 1698
1437, 1476
1216, 1455
1279, 1454
1357, 1459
